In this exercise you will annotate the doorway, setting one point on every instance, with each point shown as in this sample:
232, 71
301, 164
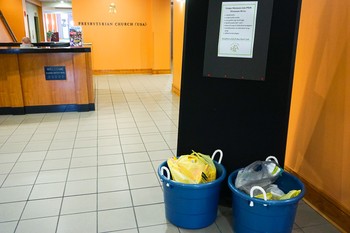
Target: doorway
29, 29
37, 28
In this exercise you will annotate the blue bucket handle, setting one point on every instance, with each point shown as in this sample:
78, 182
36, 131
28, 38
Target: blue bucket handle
269, 158
251, 204
167, 176
215, 152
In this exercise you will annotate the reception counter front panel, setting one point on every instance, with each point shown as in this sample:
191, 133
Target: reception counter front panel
25, 87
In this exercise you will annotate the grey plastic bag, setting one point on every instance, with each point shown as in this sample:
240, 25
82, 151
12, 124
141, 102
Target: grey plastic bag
258, 173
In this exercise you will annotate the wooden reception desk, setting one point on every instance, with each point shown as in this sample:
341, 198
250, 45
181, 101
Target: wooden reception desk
38, 80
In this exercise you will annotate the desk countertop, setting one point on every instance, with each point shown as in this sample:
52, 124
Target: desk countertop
17, 50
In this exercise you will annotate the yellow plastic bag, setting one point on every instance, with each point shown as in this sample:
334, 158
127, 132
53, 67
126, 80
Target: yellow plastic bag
195, 168
269, 196
290, 194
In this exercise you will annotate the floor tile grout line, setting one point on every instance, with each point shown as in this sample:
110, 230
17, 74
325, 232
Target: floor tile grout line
155, 170
97, 165
66, 180
123, 160
142, 141
126, 171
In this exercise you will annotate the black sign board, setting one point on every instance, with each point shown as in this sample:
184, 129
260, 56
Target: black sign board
55, 73
247, 120
237, 39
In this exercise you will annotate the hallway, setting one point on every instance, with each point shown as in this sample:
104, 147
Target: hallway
97, 171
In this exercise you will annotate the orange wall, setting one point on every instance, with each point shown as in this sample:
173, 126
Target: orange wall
14, 16
318, 147
178, 28
126, 47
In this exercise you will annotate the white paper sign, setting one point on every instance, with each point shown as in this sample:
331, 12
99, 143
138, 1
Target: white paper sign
237, 29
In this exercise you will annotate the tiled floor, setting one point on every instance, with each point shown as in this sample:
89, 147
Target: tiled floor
96, 171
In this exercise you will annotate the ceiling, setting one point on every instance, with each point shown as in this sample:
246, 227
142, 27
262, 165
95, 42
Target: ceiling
54, 0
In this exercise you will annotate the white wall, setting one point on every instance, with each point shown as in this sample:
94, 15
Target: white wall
32, 11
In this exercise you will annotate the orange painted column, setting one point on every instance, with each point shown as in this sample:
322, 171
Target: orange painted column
178, 34
161, 25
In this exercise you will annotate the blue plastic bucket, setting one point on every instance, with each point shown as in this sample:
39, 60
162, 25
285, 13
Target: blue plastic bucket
192, 206
265, 216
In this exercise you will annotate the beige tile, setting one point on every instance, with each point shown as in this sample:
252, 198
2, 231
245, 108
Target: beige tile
16, 179
114, 200
139, 168
8, 227
13, 194
146, 196
49, 190
143, 180
47, 225
84, 222
107, 220
11, 211
80, 187
52, 176
111, 170
42, 208
150, 215
113, 184
79, 204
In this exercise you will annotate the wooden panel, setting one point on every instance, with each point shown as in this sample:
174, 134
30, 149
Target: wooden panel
23, 82
325, 205
5, 100
10, 83
39, 91
90, 81
80, 78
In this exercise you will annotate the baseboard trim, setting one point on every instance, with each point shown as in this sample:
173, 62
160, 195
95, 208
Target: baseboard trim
325, 205
10, 110
48, 109
166, 71
175, 90
131, 71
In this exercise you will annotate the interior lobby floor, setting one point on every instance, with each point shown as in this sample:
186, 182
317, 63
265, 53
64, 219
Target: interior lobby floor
82, 172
